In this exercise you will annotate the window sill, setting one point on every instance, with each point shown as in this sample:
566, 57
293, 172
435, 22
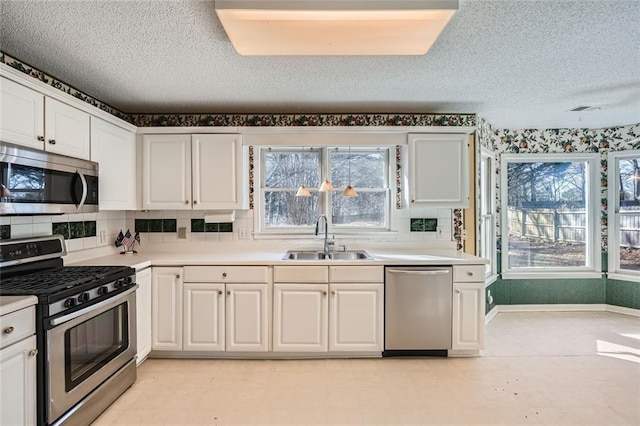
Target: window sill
623, 277
550, 275
388, 235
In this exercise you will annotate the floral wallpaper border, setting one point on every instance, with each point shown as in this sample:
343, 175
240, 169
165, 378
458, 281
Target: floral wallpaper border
523, 141
245, 120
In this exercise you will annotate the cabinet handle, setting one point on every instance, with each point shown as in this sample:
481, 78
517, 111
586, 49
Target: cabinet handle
458, 291
219, 291
470, 273
186, 201
33, 352
41, 138
178, 276
8, 330
333, 292
324, 293
228, 293
224, 275
195, 201
52, 141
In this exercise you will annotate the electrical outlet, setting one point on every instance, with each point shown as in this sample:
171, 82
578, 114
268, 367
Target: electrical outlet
440, 232
243, 233
103, 237
182, 232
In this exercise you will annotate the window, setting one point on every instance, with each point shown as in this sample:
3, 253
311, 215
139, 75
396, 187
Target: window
283, 170
624, 212
550, 214
487, 246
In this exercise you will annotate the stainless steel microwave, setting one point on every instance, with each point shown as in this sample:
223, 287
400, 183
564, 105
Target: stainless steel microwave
37, 182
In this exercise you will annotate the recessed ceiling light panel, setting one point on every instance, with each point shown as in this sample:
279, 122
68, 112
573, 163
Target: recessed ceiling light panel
347, 27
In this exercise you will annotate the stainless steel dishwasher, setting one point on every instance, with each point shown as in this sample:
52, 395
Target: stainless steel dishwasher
417, 310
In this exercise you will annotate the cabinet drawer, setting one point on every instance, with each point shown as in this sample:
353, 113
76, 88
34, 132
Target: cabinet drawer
355, 274
226, 274
301, 274
468, 273
17, 325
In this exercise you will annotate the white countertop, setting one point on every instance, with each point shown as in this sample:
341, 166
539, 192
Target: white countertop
181, 257
10, 304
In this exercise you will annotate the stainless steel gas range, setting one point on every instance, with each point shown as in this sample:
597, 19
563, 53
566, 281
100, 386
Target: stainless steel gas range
85, 327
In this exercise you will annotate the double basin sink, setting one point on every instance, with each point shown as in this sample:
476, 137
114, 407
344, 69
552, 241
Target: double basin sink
333, 255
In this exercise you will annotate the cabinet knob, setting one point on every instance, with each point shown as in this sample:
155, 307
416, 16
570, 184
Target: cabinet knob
458, 291
324, 293
224, 275
8, 330
470, 273
333, 292
33, 352
195, 201
178, 276
41, 138
52, 141
219, 291
186, 201
228, 293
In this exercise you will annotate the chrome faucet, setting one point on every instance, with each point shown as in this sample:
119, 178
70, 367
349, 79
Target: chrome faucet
325, 247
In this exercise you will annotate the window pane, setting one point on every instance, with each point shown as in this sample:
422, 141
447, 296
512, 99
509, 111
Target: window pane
629, 217
291, 169
547, 214
368, 209
367, 168
285, 209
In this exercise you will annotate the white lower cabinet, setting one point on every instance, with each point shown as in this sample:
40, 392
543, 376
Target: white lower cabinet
143, 314
468, 308
18, 368
166, 309
300, 317
247, 319
203, 317
355, 317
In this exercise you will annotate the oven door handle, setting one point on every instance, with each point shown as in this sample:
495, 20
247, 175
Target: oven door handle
113, 301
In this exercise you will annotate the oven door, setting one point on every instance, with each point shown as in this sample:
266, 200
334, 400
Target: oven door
86, 347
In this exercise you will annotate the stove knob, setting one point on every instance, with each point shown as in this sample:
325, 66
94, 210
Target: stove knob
103, 290
118, 284
128, 280
70, 302
84, 297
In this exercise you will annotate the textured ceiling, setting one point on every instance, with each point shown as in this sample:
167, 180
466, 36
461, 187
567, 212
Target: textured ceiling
516, 63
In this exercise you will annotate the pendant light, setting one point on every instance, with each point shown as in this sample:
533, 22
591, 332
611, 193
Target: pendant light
303, 191
349, 191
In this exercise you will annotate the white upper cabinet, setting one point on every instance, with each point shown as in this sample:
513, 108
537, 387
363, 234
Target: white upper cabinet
217, 172
114, 148
200, 172
439, 170
166, 172
66, 129
21, 115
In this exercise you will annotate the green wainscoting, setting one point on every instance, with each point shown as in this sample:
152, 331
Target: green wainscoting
623, 293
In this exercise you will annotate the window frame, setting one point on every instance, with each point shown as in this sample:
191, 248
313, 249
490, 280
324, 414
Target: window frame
491, 244
613, 216
324, 201
592, 268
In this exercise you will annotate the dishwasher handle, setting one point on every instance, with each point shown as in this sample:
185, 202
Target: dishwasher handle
418, 272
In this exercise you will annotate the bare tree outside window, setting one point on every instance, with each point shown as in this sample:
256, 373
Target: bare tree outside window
629, 213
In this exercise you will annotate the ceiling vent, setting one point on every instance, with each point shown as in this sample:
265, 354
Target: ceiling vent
334, 27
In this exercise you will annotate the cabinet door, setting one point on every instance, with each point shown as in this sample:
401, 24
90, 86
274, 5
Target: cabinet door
355, 317
21, 115
217, 172
300, 317
204, 317
166, 172
438, 170
143, 314
66, 130
247, 317
166, 309
18, 384
468, 316
114, 148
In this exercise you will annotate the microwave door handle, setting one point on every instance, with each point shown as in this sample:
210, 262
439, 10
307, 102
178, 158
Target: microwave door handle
84, 190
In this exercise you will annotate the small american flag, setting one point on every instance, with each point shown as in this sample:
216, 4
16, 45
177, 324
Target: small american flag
128, 239
119, 238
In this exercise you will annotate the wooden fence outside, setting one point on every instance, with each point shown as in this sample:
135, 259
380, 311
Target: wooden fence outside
567, 225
